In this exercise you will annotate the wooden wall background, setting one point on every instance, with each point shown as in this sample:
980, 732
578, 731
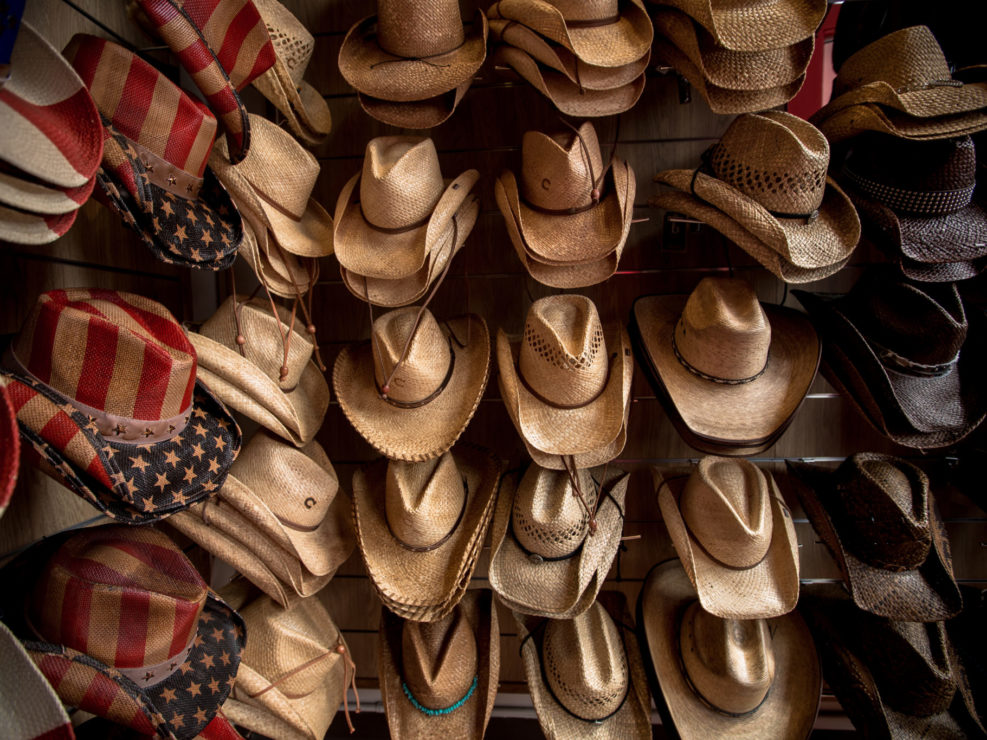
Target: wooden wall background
487, 278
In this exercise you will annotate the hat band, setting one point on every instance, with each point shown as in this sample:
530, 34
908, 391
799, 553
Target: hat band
396, 230
712, 378
918, 202
595, 22
445, 710
910, 367
699, 695
563, 406
294, 215
151, 675
565, 211
431, 396
120, 429
165, 175
439, 543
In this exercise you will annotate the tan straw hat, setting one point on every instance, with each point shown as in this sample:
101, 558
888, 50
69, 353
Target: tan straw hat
412, 389
585, 674
712, 677
735, 536
747, 26
734, 371
248, 376
604, 33
281, 272
294, 673
399, 210
420, 526
768, 173
569, 389
273, 184
303, 107
413, 50
559, 58
850, 121
415, 114
547, 559
439, 679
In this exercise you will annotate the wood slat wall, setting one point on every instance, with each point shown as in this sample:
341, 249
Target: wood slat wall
486, 278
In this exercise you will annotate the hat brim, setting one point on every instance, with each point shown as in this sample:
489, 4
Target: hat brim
576, 239
379, 74
416, 114
931, 102
283, 273
615, 44
788, 710
768, 589
741, 414
26, 193
632, 720
855, 119
427, 431
928, 593
34, 229
746, 28
305, 110
470, 718
565, 94
42, 714
556, 589
557, 431
430, 578
364, 250
295, 415
941, 272
130, 482
557, 57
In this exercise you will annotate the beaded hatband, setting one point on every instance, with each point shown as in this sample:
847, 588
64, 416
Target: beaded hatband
439, 712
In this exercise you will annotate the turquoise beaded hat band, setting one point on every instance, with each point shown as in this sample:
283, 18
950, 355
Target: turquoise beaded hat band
439, 712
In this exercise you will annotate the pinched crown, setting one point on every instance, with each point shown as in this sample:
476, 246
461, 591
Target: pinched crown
561, 171
440, 659
423, 501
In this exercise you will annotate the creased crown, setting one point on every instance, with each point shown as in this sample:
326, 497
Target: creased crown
723, 331
426, 363
401, 181
440, 659
560, 171
419, 28
907, 60
563, 354
423, 500
729, 662
547, 518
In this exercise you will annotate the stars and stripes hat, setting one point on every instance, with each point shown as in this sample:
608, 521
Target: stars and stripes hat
105, 391
157, 142
123, 626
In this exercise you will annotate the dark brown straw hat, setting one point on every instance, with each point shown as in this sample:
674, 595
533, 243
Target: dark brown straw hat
878, 518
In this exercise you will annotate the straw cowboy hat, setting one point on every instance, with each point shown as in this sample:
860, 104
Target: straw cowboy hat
10, 448
37, 713
768, 173
295, 672
570, 216
849, 122
303, 107
919, 199
893, 678
413, 388
585, 674
415, 114
272, 186
716, 677
580, 460
439, 679
273, 381
396, 213
735, 537
223, 47
604, 33
159, 658
154, 173
729, 370
281, 272
21, 227
909, 350
420, 526
878, 518
560, 59
568, 389
106, 389
758, 27
545, 559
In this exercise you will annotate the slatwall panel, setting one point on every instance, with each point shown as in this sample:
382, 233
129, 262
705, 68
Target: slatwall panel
487, 278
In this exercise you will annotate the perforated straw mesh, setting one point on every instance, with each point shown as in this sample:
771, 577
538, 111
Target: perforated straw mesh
554, 353
765, 186
582, 700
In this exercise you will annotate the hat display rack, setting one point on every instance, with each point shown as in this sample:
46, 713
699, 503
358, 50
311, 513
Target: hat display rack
487, 431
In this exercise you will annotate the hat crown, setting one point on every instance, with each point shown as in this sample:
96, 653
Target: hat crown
775, 159
116, 352
909, 59
882, 504
423, 501
134, 573
297, 484
563, 355
293, 44
419, 28
585, 663
726, 505
723, 331
401, 181
426, 362
263, 346
560, 171
587, 10
729, 662
547, 518
440, 659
